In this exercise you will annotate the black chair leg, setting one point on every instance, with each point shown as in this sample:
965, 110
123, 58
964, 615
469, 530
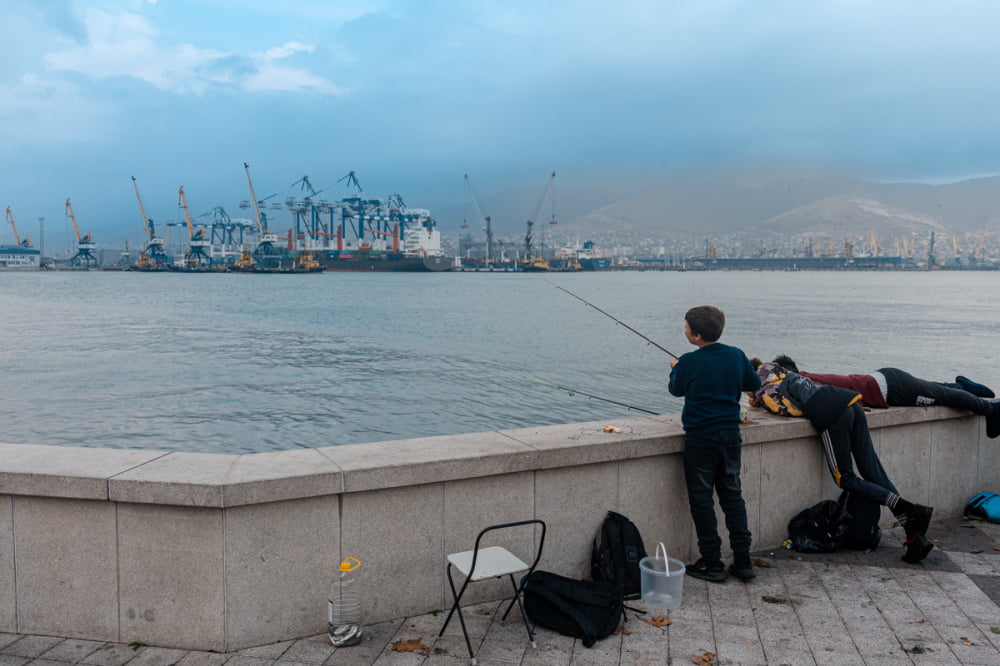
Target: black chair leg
520, 606
461, 619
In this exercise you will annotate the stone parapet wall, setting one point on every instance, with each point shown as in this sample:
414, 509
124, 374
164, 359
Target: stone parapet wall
222, 552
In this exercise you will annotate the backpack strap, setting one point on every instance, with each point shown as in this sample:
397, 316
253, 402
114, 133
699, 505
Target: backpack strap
586, 626
615, 536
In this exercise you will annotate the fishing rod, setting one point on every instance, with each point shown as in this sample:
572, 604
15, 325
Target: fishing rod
618, 321
595, 397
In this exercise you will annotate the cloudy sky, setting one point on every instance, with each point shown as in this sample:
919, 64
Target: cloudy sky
411, 95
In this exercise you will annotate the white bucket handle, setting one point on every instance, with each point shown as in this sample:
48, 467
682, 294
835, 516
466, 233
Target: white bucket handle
660, 547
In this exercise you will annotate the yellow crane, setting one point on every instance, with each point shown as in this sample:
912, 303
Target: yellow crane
152, 257
84, 244
198, 256
13, 225
265, 240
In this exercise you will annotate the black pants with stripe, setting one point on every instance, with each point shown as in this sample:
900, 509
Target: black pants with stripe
847, 443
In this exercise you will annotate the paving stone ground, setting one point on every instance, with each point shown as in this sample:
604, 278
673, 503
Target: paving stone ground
829, 610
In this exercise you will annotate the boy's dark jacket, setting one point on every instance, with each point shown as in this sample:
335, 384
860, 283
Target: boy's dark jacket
822, 405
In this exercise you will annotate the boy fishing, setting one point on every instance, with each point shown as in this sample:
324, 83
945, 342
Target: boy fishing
711, 380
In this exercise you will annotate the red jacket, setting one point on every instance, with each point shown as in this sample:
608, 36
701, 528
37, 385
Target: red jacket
866, 385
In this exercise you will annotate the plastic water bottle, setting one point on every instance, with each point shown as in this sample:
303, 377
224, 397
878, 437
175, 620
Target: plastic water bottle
343, 611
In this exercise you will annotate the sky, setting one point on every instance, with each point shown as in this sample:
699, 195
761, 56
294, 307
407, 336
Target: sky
413, 95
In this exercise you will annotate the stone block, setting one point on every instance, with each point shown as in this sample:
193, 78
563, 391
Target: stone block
653, 495
414, 462
397, 535
988, 470
473, 504
281, 475
573, 502
791, 479
65, 471
171, 576
906, 454
588, 443
281, 559
67, 573
186, 479
955, 465
8, 608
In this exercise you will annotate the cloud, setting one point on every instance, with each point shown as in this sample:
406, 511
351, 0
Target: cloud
128, 45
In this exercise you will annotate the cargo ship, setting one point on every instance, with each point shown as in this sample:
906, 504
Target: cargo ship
356, 234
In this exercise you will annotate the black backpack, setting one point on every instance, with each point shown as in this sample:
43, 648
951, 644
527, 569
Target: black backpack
849, 522
615, 558
582, 609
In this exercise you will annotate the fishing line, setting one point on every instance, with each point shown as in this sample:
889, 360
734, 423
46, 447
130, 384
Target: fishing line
595, 397
618, 321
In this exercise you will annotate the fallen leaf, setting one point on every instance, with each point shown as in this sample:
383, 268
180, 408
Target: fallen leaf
997, 548
706, 658
763, 564
995, 630
965, 641
773, 600
135, 645
620, 629
658, 621
412, 645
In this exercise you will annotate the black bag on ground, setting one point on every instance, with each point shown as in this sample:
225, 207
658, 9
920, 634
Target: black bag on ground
849, 522
582, 609
615, 558
861, 516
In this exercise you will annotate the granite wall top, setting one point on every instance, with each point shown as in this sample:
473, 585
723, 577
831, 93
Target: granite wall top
219, 480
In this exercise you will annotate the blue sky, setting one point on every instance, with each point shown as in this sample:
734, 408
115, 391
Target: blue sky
412, 95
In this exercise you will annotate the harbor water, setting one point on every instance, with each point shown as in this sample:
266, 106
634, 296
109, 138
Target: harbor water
230, 363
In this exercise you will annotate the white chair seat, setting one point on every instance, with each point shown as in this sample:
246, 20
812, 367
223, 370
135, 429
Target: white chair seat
492, 562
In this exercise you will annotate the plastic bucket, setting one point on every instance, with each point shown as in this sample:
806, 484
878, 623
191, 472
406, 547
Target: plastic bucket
662, 580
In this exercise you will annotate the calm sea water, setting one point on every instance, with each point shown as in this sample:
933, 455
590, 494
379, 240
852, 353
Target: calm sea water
247, 363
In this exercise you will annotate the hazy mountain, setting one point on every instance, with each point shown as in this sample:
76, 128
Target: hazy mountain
829, 207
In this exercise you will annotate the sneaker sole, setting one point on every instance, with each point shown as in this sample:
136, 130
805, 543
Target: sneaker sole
917, 550
711, 578
744, 576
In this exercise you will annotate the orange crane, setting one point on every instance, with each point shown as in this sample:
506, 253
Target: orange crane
84, 244
152, 257
13, 225
197, 257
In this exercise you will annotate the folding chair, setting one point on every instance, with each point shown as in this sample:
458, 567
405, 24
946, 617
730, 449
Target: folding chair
491, 562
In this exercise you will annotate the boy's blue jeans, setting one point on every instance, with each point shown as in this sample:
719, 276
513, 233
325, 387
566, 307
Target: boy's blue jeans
712, 463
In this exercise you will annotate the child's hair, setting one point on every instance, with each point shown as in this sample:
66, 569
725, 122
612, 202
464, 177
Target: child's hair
786, 363
706, 321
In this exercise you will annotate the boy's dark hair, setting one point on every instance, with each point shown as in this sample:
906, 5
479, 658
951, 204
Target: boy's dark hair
786, 363
706, 321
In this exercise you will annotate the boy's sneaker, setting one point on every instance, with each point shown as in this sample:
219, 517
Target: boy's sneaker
742, 567
917, 549
975, 388
917, 521
713, 571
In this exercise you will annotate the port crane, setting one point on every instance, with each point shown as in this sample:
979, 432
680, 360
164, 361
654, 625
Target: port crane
152, 257
535, 214
265, 239
488, 226
198, 256
84, 244
13, 225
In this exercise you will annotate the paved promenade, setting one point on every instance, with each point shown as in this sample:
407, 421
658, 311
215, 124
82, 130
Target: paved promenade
844, 608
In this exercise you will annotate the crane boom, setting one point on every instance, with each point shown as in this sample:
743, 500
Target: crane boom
10, 218
256, 206
69, 213
541, 200
142, 211
182, 202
